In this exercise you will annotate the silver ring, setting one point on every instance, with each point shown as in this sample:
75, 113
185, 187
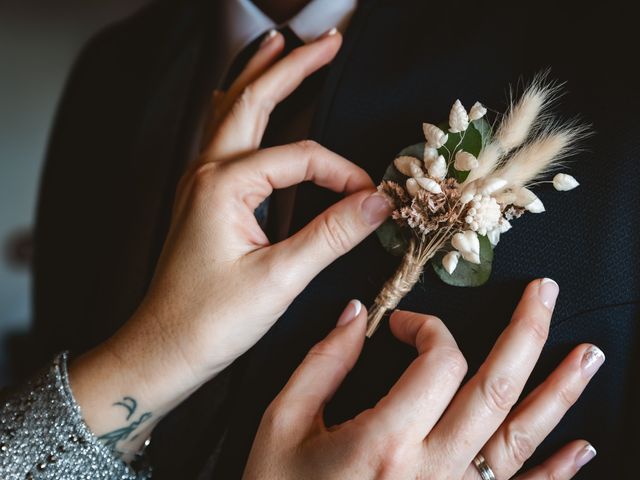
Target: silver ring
483, 468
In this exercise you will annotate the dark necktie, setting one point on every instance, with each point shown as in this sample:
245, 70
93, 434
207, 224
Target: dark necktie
288, 122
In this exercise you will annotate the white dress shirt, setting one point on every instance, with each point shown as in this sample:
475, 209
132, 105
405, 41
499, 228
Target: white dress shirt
241, 22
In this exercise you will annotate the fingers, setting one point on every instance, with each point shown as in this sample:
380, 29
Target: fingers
268, 52
334, 232
241, 130
528, 425
484, 402
283, 166
416, 402
317, 378
563, 464
330, 235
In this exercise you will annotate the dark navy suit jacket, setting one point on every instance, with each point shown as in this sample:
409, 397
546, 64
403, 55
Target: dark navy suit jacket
122, 137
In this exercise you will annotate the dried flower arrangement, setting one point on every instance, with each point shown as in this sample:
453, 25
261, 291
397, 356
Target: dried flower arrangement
457, 193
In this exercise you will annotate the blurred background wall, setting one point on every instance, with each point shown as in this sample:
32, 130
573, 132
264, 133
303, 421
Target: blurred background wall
39, 40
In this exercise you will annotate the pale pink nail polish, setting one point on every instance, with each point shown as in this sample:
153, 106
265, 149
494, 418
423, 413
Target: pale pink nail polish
585, 455
329, 33
548, 292
351, 311
592, 359
376, 208
270, 35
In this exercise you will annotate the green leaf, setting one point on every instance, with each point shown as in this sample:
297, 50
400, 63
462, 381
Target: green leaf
467, 274
393, 237
470, 141
484, 127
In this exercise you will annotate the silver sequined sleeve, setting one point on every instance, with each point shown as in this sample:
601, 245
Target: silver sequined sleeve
43, 435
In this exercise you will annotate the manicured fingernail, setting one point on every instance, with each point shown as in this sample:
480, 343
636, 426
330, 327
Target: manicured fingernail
328, 33
585, 455
548, 292
270, 35
376, 208
350, 312
592, 359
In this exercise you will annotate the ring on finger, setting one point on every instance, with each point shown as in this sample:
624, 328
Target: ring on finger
483, 468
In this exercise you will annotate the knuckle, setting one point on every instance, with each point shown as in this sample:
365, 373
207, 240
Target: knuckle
452, 360
247, 96
537, 327
519, 444
499, 394
393, 456
307, 145
336, 234
250, 100
567, 396
277, 416
549, 473
203, 179
326, 351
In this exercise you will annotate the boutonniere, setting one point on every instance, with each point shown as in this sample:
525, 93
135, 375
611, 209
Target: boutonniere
459, 191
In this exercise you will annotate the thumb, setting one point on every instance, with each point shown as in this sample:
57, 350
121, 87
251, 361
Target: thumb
324, 368
334, 232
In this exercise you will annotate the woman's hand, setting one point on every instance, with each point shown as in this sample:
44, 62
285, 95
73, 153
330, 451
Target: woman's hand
219, 284
427, 427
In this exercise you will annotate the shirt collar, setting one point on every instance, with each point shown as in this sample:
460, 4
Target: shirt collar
243, 22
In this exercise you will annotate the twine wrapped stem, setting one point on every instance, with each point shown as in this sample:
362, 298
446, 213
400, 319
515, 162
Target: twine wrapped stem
406, 276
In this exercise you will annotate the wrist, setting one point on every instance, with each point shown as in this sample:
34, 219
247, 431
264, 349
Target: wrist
127, 384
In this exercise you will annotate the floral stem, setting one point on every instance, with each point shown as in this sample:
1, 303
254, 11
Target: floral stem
406, 276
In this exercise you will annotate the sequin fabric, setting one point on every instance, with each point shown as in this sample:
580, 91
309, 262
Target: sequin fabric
43, 434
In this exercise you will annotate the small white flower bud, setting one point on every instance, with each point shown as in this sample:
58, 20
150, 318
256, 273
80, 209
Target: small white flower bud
416, 170
492, 184
412, 186
468, 245
563, 182
458, 118
524, 197
430, 154
403, 164
494, 236
477, 111
450, 261
464, 161
504, 225
468, 192
437, 168
429, 184
505, 197
434, 136
535, 207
